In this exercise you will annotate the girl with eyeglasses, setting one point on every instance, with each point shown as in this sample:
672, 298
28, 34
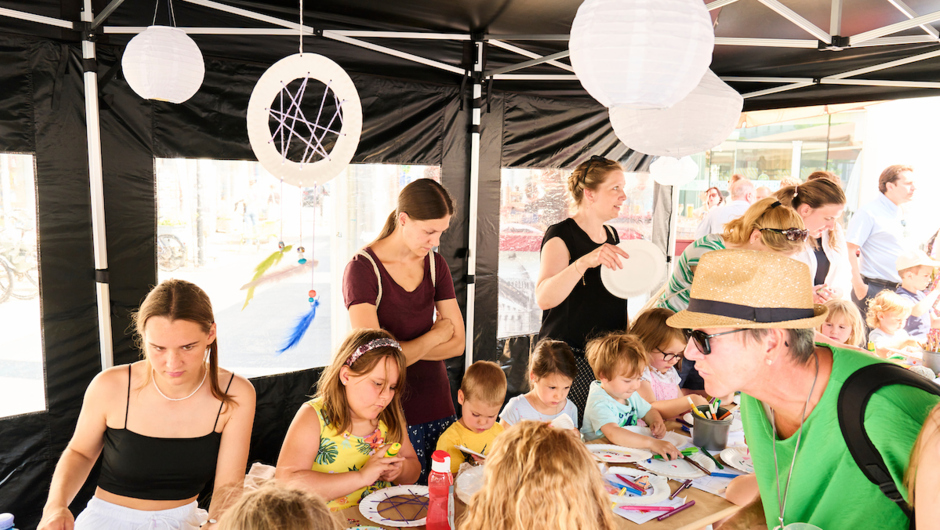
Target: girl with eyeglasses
664, 348
768, 225
820, 203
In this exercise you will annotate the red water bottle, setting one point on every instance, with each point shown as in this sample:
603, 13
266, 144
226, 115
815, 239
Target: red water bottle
440, 493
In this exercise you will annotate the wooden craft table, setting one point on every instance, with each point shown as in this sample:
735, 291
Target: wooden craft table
708, 509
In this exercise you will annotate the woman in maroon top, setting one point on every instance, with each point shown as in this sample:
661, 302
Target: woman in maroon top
393, 284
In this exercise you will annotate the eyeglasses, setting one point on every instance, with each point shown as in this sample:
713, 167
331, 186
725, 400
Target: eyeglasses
792, 234
668, 356
701, 338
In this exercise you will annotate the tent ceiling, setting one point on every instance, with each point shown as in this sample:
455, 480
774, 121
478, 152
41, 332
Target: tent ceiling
748, 19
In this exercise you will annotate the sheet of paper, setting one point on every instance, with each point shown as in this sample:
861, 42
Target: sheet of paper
716, 485
640, 517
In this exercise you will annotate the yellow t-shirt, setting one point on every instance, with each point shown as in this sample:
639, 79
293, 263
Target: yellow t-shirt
340, 453
457, 434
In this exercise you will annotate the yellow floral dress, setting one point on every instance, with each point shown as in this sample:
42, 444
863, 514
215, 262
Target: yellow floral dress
341, 453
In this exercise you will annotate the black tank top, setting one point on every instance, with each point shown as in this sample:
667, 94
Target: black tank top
159, 469
590, 309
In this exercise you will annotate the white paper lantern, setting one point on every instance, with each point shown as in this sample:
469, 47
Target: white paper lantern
163, 63
704, 119
641, 53
668, 171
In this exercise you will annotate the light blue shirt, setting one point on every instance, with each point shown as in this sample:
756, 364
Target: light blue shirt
602, 409
715, 221
519, 409
877, 228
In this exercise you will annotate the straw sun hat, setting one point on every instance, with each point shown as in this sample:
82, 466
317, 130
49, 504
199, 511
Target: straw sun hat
750, 289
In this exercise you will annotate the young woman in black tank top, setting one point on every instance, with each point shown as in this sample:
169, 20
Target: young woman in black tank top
575, 303
164, 426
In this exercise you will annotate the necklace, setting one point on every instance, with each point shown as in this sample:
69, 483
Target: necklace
782, 501
153, 375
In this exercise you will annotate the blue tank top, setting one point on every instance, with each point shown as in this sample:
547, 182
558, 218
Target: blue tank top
160, 469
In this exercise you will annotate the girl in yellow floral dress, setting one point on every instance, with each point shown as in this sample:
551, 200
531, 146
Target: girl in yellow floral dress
336, 445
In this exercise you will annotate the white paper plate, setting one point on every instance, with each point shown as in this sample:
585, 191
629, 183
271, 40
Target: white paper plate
468, 483
370, 506
738, 458
658, 491
615, 454
679, 468
643, 272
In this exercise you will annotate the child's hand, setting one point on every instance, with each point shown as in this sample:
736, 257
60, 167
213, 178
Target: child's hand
379, 465
664, 449
658, 428
392, 472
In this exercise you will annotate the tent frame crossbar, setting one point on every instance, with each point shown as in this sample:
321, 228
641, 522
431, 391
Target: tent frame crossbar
30, 17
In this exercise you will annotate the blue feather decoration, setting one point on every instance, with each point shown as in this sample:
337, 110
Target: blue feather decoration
301, 328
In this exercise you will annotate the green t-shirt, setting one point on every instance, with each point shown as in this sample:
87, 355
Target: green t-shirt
827, 488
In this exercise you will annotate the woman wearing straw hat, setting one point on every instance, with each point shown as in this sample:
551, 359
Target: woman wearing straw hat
767, 225
750, 322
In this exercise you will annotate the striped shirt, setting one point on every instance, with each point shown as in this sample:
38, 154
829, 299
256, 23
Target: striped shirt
676, 296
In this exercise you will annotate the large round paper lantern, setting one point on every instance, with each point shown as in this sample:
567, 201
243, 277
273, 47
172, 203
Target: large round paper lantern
704, 119
668, 171
163, 63
641, 53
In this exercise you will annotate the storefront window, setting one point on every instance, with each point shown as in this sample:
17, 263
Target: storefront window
22, 387
217, 220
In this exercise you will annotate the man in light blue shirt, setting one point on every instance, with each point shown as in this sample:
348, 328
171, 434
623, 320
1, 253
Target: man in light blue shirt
742, 195
877, 229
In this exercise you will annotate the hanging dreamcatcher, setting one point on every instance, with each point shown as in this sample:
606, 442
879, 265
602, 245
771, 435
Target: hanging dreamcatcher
305, 136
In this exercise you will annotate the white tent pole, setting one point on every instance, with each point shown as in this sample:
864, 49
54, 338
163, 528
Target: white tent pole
99, 237
775, 90
535, 77
476, 108
883, 66
904, 8
20, 15
795, 18
718, 3
769, 43
532, 62
527, 53
835, 18
894, 28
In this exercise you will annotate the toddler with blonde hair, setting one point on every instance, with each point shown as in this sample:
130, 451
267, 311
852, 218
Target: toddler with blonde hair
481, 395
887, 314
276, 506
538, 476
844, 323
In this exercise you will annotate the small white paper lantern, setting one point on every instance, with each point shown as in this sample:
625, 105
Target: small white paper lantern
704, 119
164, 64
641, 53
668, 171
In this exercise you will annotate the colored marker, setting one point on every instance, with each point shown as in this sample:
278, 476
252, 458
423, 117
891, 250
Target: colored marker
648, 508
630, 483
393, 450
696, 464
715, 460
681, 487
677, 510
724, 475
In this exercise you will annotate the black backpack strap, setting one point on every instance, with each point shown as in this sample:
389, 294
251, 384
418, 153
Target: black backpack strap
853, 398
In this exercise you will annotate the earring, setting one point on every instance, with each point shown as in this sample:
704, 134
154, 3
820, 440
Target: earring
769, 361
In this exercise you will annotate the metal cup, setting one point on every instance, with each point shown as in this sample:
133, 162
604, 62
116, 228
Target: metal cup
932, 361
711, 434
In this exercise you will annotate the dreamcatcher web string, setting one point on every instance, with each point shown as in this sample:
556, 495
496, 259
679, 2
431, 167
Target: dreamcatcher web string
289, 120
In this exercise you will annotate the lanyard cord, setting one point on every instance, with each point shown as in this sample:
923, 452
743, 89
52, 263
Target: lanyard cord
782, 501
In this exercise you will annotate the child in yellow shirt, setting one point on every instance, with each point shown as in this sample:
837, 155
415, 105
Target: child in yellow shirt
481, 395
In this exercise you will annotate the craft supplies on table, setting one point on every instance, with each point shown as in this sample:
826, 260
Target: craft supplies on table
640, 516
399, 506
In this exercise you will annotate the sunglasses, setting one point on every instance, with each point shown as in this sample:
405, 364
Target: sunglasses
701, 338
792, 234
668, 356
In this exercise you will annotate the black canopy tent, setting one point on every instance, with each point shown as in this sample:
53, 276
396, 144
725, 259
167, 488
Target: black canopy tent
413, 63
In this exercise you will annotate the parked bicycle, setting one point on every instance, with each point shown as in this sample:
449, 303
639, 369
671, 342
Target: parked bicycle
19, 264
171, 252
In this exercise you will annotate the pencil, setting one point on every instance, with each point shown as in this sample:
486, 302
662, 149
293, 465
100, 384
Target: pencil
696, 464
677, 510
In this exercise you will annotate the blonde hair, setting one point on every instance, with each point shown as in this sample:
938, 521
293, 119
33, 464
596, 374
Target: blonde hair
280, 507
651, 328
181, 300
552, 357
537, 473
816, 193
848, 311
333, 393
766, 213
484, 381
616, 354
927, 434
589, 175
887, 302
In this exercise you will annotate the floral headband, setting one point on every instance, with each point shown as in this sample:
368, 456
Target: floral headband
369, 346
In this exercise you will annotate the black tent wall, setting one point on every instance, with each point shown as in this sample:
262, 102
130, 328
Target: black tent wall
42, 112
